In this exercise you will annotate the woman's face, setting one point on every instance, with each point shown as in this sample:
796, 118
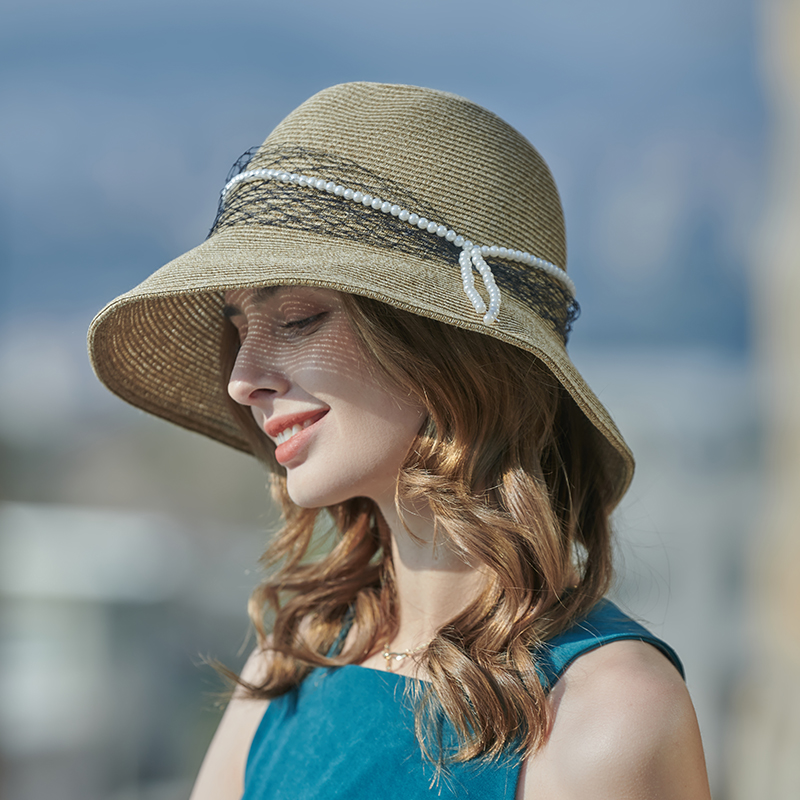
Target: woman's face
340, 430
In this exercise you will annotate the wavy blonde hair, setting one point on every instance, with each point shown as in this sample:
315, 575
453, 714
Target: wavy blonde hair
506, 464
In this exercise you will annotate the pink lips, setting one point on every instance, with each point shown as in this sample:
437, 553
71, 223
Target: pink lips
291, 447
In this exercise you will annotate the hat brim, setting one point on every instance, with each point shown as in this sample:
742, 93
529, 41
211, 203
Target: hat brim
158, 346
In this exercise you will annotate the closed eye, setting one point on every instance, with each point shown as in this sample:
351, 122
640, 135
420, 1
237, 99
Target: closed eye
304, 324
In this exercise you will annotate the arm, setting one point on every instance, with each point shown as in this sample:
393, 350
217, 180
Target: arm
623, 728
221, 775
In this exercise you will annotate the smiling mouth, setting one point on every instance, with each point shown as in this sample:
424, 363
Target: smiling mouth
287, 434
285, 427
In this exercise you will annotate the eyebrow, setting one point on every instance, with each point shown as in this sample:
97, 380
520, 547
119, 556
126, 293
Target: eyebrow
260, 294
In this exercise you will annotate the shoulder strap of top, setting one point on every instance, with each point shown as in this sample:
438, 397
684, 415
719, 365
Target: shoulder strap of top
338, 642
605, 623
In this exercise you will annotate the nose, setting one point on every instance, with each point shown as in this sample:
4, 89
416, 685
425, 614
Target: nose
254, 379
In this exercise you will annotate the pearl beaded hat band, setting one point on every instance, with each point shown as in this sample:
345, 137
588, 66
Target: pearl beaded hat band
341, 199
472, 255
438, 157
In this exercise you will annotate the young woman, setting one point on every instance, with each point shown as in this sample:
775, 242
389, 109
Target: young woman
380, 314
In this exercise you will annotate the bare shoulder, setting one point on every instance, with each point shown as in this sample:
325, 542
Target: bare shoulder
221, 775
623, 727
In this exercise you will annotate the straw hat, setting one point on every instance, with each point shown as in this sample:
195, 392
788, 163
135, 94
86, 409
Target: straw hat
379, 190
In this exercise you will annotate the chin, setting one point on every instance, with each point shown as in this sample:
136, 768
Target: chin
316, 496
319, 495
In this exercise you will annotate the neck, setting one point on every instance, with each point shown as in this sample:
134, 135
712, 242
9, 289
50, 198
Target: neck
434, 583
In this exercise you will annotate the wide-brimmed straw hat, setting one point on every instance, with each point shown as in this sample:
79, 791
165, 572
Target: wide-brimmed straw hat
410, 196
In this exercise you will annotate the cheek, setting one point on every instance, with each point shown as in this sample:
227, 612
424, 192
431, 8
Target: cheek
391, 417
328, 360
387, 422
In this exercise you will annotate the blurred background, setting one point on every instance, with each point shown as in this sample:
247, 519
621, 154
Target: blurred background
128, 548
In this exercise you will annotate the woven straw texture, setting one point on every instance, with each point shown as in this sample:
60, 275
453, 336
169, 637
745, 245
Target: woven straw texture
158, 345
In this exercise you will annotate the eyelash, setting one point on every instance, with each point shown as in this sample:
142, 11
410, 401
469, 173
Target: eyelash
304, 324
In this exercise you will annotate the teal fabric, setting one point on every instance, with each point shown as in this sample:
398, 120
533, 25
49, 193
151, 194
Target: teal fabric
348, 732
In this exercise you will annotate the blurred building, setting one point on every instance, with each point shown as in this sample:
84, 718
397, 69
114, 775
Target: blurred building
764, 759
106, 618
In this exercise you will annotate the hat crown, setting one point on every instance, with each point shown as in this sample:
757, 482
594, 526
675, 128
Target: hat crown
462, 165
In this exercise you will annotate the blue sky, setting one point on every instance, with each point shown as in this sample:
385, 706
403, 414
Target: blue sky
119, 121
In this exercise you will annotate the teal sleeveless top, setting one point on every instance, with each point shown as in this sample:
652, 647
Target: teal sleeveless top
348, 732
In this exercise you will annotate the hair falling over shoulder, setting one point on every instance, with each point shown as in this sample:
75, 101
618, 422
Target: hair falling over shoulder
506, 465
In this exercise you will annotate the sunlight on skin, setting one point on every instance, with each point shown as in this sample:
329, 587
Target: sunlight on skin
299, 355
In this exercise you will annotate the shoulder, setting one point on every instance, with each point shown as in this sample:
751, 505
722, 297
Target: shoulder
221, 775
623, 726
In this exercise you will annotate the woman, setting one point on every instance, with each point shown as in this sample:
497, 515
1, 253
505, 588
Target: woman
385, 287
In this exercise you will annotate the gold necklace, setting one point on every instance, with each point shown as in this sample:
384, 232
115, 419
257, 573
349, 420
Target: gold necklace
390, 656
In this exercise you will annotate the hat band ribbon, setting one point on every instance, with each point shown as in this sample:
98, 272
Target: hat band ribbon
471, 256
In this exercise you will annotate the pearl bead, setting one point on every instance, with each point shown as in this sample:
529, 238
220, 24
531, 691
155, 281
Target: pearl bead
470, 258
